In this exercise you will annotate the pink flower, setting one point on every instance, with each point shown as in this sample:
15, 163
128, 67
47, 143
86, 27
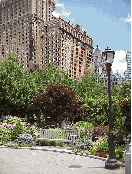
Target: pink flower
8, 125
124, 139
4, 125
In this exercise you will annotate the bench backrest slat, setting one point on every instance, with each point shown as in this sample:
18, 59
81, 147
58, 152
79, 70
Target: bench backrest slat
58, 134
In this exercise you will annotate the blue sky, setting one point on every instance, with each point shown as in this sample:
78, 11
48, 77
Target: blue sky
107, 21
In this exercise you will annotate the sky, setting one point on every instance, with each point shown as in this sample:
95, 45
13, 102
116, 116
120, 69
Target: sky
107, 21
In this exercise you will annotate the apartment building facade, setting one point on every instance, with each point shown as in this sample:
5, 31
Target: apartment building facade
128, 71
29, 28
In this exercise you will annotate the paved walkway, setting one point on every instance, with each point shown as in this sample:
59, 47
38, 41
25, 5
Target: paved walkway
26, 161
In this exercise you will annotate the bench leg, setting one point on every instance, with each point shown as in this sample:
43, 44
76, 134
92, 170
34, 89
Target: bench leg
72, 143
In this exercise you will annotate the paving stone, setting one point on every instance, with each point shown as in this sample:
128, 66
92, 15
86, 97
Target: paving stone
26, 161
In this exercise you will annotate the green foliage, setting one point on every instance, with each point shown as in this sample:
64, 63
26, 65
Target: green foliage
90, 85
124, 92
18, 129
84, 126
5, 135
25, 138
31, 129
48, 76
12, 127
126, 112
53, 143
16, 87
83, 143
102, 146
97, 109
119, 150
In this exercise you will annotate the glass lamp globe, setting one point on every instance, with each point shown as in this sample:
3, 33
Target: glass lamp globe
108, 55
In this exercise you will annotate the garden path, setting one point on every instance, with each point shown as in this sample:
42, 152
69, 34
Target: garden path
26, 161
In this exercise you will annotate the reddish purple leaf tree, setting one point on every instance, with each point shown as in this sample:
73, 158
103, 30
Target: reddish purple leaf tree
57, 104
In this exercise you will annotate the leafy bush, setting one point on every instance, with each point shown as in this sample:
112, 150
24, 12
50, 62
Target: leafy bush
83, 143
119, 152
85, 127
31, 129
101, 146
99, 131
5, 135
119, 137
18, 129
53, 143
126, 112
25, 138
97, 109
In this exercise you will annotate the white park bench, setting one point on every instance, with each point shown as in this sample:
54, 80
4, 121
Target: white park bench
58, 135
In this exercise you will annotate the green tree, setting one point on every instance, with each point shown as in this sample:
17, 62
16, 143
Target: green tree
48, 76
15, 86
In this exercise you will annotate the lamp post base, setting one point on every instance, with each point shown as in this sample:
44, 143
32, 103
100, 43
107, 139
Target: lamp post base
112, 164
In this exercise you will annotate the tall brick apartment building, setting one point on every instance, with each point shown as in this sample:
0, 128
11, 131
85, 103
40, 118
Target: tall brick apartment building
29, 29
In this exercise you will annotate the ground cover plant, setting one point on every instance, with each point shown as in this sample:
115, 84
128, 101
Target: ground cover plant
16, 132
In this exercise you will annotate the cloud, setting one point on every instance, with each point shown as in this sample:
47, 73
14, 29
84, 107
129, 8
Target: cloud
128, 19
59, 5
109, 1
63, 11
119, 64
56, 14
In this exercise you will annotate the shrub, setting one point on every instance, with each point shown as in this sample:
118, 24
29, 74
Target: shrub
99, 131
85, 127
31, 129
119, 152
126, 112
18, 129
25, 138
83, 143
5, 135
101, 146
8, 126
119, 137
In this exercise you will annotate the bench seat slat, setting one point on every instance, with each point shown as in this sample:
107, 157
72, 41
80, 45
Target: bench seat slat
46, 139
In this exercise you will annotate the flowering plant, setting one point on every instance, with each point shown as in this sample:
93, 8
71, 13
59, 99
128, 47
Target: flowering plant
128, 138
7, 126
66, 125
86, 128
31, 129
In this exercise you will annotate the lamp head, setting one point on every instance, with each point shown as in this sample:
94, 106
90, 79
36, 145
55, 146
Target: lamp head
108, 55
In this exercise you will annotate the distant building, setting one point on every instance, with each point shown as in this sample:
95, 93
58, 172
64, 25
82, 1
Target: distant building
128, 71
116, 79
100, 68
99, 64
30, 29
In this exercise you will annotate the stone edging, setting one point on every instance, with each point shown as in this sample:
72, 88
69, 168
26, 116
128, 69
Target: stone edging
62, 150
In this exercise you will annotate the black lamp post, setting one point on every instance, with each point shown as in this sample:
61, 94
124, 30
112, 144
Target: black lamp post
111, 163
